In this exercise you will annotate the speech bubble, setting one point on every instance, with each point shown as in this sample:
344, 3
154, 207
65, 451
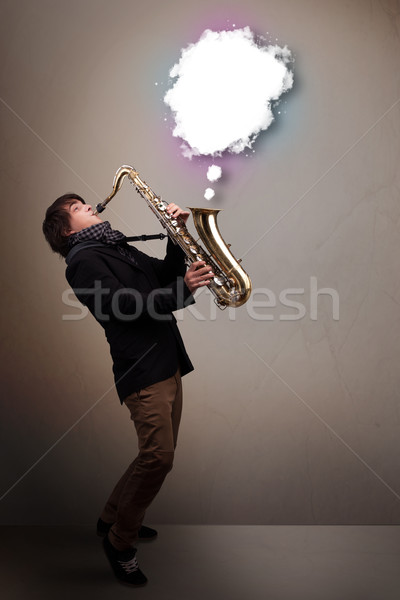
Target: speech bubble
225, 86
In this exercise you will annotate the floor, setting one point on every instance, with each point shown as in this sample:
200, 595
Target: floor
206, 562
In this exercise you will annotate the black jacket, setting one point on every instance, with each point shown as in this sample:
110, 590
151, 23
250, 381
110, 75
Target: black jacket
133, 302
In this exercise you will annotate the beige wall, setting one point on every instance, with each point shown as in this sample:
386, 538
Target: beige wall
286, 421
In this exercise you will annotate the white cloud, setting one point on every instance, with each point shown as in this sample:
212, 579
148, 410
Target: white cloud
214, 173
224, 87
209, 193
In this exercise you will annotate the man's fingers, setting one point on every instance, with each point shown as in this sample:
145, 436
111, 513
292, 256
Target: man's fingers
205, 272
177, 211
198, 275
198, 264
200, 267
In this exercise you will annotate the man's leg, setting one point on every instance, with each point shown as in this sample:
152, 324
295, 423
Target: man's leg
156, 413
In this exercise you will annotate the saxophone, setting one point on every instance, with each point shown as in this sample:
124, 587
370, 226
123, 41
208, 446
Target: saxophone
230, 285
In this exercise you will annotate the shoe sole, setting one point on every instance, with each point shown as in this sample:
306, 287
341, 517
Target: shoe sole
135, 585
102, 534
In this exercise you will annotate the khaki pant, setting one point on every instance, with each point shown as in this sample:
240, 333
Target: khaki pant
156, 413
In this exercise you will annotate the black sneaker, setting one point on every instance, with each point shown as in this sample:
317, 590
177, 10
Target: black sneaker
145, 533
124, 564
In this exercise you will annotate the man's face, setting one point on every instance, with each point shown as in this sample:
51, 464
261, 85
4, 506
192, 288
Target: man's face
81, 216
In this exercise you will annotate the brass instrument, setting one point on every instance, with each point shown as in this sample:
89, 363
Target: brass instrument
230, 285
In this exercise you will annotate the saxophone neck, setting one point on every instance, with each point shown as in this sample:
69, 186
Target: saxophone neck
119, 177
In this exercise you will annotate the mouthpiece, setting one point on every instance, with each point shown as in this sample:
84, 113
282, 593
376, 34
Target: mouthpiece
99, 208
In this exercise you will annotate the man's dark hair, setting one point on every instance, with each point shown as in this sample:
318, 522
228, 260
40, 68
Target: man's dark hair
56, 223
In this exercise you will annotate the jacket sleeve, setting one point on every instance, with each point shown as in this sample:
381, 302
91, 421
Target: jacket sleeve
172, 266
97, 287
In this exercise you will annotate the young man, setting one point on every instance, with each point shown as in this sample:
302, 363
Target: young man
132, 296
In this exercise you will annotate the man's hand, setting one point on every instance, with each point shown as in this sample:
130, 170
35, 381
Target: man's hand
198, 275
177, 212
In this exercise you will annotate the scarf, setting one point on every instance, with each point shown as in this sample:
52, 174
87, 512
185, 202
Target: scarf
102, 232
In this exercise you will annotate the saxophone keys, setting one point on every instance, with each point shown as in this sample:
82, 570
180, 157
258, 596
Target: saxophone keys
218, 281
